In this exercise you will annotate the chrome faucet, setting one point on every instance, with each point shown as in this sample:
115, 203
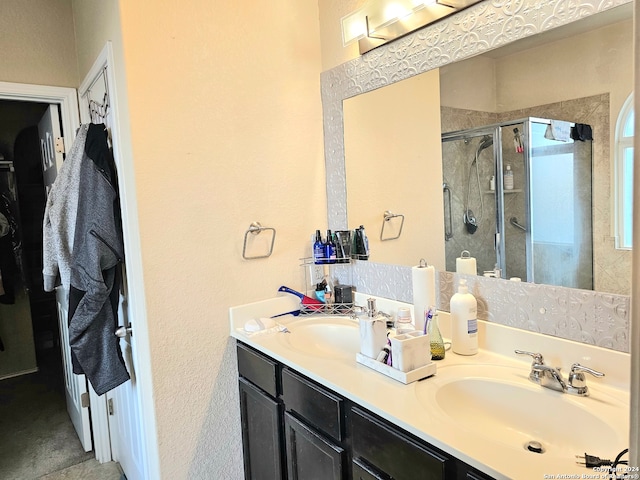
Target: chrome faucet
550, 377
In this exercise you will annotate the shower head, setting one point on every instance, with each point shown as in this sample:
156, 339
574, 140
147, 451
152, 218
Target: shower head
486, 142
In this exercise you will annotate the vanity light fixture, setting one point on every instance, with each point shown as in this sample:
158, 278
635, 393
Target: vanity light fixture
381, 21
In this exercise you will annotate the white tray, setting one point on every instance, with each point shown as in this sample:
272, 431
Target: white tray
403, 377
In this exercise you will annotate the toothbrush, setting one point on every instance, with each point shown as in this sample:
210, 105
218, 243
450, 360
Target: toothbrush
427, 318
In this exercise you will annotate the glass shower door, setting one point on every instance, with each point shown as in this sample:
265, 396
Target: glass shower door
561, 221
513, 202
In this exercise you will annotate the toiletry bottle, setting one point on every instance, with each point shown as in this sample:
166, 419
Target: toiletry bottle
318, 250
464, 321
360, 244
508, 178
330, 248
403, 321
492, 183
435, 338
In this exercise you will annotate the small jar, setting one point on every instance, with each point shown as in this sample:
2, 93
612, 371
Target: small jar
403, 321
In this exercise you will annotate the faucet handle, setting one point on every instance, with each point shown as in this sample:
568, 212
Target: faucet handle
577, 384
537, 357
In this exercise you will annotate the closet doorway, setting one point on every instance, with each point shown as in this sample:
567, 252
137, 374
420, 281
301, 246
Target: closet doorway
28, 319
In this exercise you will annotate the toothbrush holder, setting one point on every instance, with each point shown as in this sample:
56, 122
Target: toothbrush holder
410, 351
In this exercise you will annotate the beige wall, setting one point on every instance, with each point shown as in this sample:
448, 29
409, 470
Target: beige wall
394, 162
222, 123
37, 42
331, 12
226, 129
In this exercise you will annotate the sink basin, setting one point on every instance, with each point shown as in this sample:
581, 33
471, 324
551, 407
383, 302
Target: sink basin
500, 403
323, 336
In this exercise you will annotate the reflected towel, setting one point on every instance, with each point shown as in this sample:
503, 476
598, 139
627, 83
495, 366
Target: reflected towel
558, 130
582, 132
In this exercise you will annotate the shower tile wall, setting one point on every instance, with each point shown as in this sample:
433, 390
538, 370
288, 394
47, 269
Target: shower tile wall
612, 268
458, 157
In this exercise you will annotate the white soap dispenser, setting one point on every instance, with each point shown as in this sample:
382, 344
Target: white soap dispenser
373, 331
464, 321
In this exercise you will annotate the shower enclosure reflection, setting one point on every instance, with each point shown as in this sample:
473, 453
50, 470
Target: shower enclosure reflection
537, 225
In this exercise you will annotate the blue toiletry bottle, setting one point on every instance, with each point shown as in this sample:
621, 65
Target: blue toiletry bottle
330, 248
319, 256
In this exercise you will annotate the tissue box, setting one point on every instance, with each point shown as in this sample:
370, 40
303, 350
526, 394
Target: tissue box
410, 351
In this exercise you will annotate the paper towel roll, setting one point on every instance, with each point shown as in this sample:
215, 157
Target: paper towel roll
423, 279
466, 264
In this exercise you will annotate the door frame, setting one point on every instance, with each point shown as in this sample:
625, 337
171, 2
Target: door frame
105, 61
67, 99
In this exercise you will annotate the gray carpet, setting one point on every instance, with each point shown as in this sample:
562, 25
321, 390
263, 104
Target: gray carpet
37, 436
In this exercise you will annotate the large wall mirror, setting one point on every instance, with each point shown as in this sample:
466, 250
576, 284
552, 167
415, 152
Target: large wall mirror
395, 160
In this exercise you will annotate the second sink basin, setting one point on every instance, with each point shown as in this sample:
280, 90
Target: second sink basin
323, 336
501, 404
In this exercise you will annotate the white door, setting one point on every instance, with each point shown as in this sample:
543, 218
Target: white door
49, 131
123, 403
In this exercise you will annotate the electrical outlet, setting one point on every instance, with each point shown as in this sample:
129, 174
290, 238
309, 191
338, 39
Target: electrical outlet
315, 274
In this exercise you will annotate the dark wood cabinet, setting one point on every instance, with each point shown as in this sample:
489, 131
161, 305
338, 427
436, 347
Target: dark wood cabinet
310, 455
296, 429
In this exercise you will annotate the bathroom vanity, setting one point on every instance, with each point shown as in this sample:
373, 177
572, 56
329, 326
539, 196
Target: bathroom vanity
309, 410
293, 424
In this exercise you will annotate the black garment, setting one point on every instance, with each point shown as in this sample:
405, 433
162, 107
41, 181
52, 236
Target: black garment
95, 271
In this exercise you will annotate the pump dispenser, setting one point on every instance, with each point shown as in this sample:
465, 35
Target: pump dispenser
464, 321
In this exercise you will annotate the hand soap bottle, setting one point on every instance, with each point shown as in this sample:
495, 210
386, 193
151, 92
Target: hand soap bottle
464, 321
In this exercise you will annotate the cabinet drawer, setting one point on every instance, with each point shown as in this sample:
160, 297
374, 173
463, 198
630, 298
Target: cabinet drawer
319, 407
258, 369
392, 452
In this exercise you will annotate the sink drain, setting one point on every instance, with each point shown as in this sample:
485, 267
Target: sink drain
533, 446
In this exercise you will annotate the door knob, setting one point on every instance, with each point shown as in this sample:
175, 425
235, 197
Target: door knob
122, 332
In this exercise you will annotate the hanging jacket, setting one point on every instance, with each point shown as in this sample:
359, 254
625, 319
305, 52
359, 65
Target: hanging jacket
85, 243
60, 217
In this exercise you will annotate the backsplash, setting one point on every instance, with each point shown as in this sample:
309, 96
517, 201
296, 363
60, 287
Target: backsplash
585, 316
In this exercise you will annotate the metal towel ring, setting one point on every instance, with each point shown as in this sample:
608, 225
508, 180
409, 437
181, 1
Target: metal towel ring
387, 216
255, 229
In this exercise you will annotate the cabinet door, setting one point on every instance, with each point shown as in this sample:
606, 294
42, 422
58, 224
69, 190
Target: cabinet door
310, 456
261, 434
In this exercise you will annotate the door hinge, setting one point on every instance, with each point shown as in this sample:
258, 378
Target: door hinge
59, 145
84, 400
110, 406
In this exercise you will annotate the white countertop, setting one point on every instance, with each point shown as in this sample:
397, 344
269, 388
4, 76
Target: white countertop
409, 407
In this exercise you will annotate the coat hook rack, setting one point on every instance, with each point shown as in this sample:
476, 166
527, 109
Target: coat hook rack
99, 111
256, 229
387, 216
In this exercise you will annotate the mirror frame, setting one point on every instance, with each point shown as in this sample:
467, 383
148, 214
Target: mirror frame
475, 30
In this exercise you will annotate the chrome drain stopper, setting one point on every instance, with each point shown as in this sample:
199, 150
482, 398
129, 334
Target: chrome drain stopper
535, 447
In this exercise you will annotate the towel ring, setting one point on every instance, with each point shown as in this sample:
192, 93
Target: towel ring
387, 216
255, 229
